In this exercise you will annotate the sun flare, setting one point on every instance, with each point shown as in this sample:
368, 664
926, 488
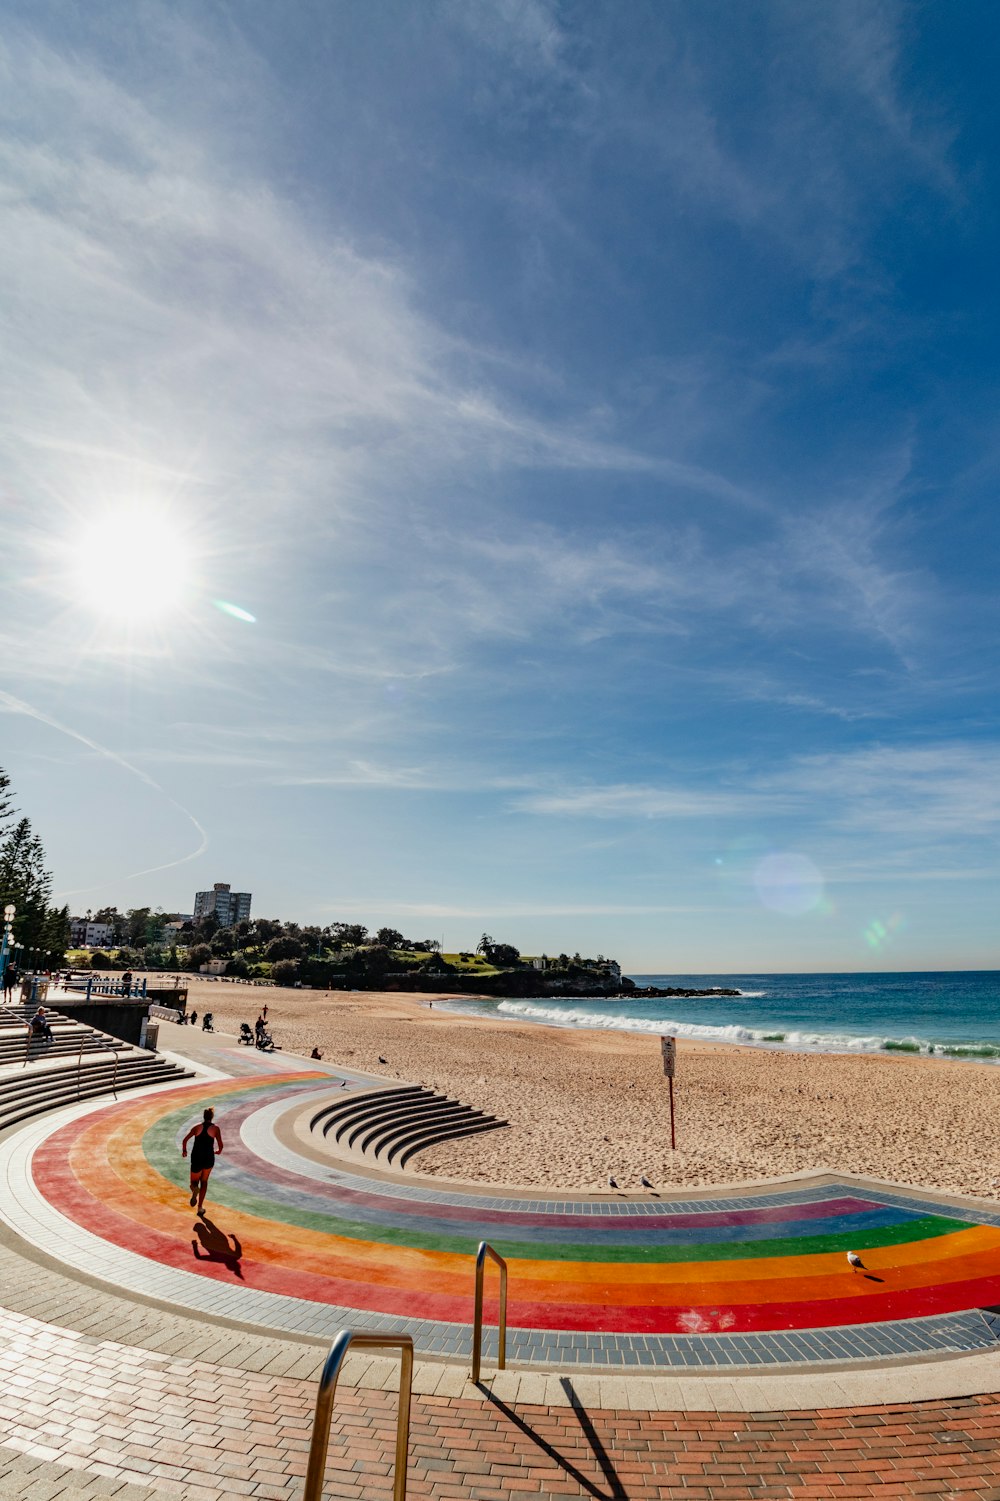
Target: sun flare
132, 567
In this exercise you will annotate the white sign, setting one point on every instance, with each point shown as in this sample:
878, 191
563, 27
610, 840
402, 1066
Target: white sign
669, 1049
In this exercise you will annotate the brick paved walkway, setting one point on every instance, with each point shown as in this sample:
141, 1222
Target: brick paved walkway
491, 1453
195, 1431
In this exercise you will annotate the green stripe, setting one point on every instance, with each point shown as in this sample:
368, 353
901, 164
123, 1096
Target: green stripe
927, 1227
160, 1146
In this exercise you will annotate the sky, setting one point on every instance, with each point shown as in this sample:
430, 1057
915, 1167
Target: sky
517, 466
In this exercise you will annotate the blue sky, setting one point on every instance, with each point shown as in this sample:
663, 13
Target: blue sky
595, 406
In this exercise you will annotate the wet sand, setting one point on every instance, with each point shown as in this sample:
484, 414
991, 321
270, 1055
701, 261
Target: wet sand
586, 1104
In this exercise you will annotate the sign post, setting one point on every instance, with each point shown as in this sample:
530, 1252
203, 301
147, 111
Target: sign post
668, 1046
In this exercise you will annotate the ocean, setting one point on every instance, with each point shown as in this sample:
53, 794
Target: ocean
941, 1014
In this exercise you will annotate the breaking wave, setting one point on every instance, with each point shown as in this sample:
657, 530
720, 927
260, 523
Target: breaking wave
792, 1041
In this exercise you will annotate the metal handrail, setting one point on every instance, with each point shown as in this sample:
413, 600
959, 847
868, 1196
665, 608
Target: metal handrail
477, 1323
320, 1441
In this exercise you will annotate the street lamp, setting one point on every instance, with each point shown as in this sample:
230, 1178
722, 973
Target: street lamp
8, 938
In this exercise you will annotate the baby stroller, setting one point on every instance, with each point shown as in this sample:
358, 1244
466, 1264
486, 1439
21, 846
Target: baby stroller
246, 1034
265, 1041
206, 1022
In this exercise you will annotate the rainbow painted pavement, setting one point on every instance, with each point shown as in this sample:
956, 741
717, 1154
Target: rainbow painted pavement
295, 1242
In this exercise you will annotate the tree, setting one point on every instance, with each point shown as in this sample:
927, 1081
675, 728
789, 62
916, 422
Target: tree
197, 955
504, 954
224, 943
390, 938
137, 925
484, 946
99, 959
56, 935
26, 883
266, 929
285, 972
432, 945
238, 968
349, 934
369, 966
206, 927
283, 948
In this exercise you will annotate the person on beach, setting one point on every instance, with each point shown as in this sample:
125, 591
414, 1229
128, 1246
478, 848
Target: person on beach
207, 1141
9, 982
315, 1053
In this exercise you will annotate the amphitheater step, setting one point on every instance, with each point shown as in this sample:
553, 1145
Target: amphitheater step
388, 1127
78, 1063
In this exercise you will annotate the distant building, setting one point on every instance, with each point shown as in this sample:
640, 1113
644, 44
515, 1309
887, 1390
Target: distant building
229, 906
84, 934
172, 932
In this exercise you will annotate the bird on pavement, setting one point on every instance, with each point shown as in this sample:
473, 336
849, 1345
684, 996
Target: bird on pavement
855, 1261
612, 1182
645, 1181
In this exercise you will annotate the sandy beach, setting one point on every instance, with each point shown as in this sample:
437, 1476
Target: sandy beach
586, 1104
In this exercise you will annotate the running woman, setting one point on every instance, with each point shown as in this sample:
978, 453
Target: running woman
207, 1141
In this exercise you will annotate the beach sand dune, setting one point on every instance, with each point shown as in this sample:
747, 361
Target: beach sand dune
586, 1104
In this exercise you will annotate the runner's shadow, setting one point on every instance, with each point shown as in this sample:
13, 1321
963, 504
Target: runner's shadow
214, 1246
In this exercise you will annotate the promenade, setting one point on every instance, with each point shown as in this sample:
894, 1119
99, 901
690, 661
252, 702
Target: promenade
138, 1359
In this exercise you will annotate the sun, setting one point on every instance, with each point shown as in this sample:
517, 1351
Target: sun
132, 566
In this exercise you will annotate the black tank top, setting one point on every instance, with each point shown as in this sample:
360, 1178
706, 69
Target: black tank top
203, 1150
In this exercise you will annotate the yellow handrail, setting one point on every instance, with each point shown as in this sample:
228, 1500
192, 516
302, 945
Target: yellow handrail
320, 1441
477, 1326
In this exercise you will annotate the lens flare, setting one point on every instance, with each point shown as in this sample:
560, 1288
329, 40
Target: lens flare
234, 611
788, 883
879, 933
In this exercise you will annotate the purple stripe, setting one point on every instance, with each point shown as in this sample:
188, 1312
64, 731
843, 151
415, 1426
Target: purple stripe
238, 1153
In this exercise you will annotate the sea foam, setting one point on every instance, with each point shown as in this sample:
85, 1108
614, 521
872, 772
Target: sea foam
787, 1041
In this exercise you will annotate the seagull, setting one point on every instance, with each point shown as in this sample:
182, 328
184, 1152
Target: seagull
645, 1181
381, 1059
612, 1183
855, 1261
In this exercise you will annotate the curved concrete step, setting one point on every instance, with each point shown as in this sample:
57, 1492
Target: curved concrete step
432, 1139
449, 1113
344, 1110
349, 1132
90, 1089
370, 1134
389, 1126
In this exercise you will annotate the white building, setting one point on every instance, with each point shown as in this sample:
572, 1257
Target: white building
84, 934
229, 906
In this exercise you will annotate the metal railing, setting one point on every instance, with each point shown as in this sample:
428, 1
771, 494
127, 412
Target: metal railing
477, 1323
320, 1441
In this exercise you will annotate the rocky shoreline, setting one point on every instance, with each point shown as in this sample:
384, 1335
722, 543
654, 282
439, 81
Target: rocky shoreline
651, 992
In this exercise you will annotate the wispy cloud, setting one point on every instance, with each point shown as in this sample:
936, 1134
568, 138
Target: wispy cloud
11, 705
626, 801
391, 907
946, 790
